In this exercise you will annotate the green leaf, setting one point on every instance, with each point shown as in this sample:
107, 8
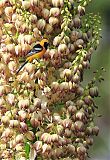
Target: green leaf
27, 149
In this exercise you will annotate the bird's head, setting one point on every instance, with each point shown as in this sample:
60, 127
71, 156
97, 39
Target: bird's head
44, 43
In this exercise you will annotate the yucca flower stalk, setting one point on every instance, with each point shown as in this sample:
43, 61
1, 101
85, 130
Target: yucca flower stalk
45, 111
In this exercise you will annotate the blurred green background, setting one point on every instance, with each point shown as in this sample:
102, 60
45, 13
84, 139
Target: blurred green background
101, 58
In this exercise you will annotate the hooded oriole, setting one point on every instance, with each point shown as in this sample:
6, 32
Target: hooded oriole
36, 52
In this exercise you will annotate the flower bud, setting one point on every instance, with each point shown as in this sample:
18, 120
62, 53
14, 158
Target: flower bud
26, 4
95, 130
88, 100
55, 85
58, 3
54, 12
93, 91
48, 29
57, 40
19, 138
77, 22
79, 43
5, 119
81, 10
9, 11
71, 148
33, 18
23, 103
80, 115
68, 133
18, 50
62, 48
64, 86
41, 24
46, 148
11, 98
38, 146
23, 127
14, 123
53, 21
79, 126
22, 115
46, 138
30, 135
37, 102
54, 138
66, 123
45, 13
81, 150
2, 90
10, 48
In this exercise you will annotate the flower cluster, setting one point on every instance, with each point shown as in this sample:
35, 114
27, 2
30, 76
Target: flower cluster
45, 112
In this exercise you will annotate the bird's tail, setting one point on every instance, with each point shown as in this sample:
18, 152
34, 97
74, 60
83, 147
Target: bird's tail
21, 67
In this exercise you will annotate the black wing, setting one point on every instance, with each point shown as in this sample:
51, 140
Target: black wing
37, 48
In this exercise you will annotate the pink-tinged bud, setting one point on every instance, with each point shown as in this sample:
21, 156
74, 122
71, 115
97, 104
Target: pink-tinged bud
62, 48
5, 119
66, 123
46, 138
11, 98
88, 100
36, 32
33, 18
18, 50
53, 21
56, 117
38, 146
19, 138
62, 141
80, 115
54, 138
2, 90
68, 133
45, 13
55, 85
7, 133
22, 115
54, 12
41, 24
28, 39
23, 127
6, 58
72, 109
23, 103
37, 102
14, 123
12, 66
21, 39
30, 135
48, 28
79, 126
29, 67
81, 150
10, 48
58, 3
46, 148
26, 4
24, 77
34, 2
9, 11
25, 47
35, 122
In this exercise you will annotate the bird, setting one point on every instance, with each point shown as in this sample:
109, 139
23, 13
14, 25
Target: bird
36, 52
